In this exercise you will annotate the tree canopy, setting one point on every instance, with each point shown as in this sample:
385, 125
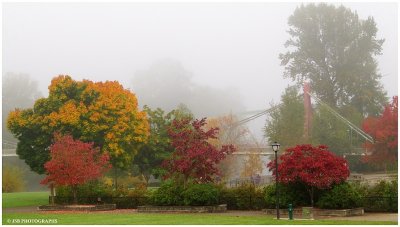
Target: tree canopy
314, 167
228, 133
286, 121
384, 131
101, 112
194, 157
74, 163
335, 50
158, 147
286, 125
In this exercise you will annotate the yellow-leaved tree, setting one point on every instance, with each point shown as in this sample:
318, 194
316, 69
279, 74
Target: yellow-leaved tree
101, 112
229, 133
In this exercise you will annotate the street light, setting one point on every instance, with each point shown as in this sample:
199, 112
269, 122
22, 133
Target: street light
275, 148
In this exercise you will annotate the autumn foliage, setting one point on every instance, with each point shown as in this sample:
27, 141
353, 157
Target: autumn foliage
101, 112
74, 163
384, 130
314, 167
228, 133
194, 157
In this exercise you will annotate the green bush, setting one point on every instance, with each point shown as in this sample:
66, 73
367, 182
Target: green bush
201, 195
384, 189
87, 193
244, 197
342, 196
168, 194
294, 194
382, 197
96, 192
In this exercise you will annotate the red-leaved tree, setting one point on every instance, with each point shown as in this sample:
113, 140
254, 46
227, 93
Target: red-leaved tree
73, 163
383, 129
194, 157
314, 167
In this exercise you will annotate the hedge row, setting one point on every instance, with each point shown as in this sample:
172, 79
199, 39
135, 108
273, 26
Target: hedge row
382, 197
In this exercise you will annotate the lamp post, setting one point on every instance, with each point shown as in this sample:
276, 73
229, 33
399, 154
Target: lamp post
275, 148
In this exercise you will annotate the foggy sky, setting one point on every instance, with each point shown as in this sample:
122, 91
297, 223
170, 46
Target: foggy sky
223, 45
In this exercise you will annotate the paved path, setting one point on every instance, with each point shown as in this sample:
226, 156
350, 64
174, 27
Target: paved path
365, 217
369, 217
29, 209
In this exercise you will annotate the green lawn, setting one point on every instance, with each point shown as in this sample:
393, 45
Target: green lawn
40, 198
169, 219
21, 199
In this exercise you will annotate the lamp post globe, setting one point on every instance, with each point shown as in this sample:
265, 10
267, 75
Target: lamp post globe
275, 146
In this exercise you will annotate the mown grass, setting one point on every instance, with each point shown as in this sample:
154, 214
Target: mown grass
22, 199
170, 219
39, 198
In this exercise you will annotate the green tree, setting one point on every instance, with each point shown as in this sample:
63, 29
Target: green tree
286, 121
329, 130
335, 50
286, 125
181, 112
104, 113
158, 148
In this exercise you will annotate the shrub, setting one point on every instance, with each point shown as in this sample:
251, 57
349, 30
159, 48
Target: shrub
382, 197
13, 179
90, 193
294, 194
342, 196
244, 197
128, 202
168, 194
201, 195
384, 189
87, 193
129, 181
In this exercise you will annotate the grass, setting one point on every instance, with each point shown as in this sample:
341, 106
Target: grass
39, 198
22, 199
171, 219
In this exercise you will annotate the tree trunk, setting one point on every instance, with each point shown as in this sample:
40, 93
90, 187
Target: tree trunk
74, 191
312, 196
146, 179
115, 178
184, 182
52, 193
311, 192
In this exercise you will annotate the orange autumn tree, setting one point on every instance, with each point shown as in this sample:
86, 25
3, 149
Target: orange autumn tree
229, 133
100, 112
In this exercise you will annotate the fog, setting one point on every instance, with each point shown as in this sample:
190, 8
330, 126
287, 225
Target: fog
226, 54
